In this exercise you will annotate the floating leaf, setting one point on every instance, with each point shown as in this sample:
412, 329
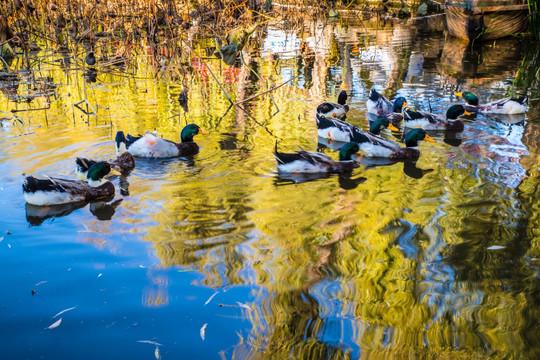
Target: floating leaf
210, 298
156, 353
244, 306
55, 324
149, 342
496, 247
203, 331
63, 311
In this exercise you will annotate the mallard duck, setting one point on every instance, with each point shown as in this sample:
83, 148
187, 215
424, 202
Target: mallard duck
53, 191
152, 146
428, 121
330, 109
376, 146
313, 162
381, 123
372, 145
506, 106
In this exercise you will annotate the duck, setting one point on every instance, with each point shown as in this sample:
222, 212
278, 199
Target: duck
506, 106
152, 146
341, 131
330, 109
55, 191
123, 163
372, 145
310, 162
376, 146
379, 105
429, 121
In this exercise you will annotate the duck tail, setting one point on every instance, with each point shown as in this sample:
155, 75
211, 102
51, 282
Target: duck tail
374, 95
29, 184
84, 164
522, 100
342, 98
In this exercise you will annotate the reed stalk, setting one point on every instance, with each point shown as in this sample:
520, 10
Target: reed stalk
534, 17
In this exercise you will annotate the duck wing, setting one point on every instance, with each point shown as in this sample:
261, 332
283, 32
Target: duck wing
505, 106
380, 141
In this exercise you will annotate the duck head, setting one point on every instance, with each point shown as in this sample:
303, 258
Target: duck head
399, 104
455, 111
379, 124
414, 136
469, 97
97, 172
347, 150
189, 131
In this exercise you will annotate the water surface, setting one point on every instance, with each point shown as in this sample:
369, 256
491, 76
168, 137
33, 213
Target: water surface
218, 257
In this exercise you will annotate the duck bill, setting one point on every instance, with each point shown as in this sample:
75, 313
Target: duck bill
359, 158
429, 138
393, 128
114, 172
203, 132
405, 106
467, 113
458, 94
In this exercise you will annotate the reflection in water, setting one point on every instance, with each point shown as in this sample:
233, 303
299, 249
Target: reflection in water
36, 215
103, 210
410, 169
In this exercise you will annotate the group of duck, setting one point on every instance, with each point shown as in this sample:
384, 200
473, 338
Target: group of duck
331, 125
93, 183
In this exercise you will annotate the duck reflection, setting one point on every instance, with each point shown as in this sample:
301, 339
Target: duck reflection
410, 169
36, 215
124, 185
103, 210
515, 119
90, 75
451, 138
346, 181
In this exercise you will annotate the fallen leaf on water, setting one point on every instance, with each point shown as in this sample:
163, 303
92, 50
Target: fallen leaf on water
496, 247
149, 342
210, 298
1, 238
203, 330
156, 353
63, 311
243, 305
55, 324
99, 275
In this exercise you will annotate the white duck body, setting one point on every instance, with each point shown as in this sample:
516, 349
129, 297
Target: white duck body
507, 106
151, 146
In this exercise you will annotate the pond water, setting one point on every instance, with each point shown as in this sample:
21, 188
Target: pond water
218, 257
